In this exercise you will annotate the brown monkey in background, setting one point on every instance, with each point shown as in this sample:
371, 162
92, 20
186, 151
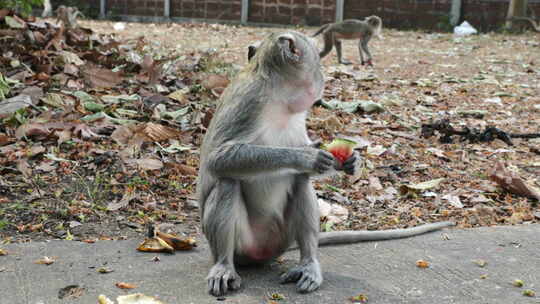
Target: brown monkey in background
254, 187
350, 29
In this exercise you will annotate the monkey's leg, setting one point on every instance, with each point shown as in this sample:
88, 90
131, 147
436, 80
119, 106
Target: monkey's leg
303, 224
328, 44
337, 44
363, 46
222, 210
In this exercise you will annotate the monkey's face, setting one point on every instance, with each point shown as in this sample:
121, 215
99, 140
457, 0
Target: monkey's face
285, 50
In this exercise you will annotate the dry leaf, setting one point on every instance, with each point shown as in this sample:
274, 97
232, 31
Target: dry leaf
156, 132
4, 140
510, 181
422, 264
480, 263
126, 198
24, 168
453, 200
214, 81
102, 299
122, 134
182, 169
104, 270
276, 296
32, 130
3, 252
518, 283
150, 164
375, 183
360, 298
70, 292
137, 298
101, 78
152, 69
124, 285
45, 260
179, 95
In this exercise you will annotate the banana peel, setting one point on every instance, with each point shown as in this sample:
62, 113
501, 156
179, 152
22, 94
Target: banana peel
158, 241
175, 242
155, 244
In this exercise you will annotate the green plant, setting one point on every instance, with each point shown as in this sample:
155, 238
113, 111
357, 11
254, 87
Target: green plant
3, 224
23, 6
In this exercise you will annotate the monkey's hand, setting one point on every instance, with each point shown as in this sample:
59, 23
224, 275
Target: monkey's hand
317, 161
349, 166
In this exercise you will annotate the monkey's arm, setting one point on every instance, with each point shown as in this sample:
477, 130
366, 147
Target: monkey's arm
245, 160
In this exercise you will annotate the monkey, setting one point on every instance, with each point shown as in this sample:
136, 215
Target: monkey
47, 9
68, 16
254, 184
350, 29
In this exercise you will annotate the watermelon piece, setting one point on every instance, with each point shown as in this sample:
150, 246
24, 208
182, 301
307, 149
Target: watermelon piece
341, 148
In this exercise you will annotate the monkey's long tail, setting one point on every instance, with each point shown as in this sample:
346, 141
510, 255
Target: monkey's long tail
321, 29
349, 237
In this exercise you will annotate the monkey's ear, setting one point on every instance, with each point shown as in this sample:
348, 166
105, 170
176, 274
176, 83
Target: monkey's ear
251, 52
252, 49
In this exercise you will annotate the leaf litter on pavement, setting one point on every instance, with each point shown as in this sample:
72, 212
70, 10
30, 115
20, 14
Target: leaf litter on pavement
102, 127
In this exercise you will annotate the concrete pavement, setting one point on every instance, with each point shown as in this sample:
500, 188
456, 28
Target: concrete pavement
384, 271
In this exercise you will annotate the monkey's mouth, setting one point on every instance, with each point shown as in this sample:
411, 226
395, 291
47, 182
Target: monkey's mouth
290, 51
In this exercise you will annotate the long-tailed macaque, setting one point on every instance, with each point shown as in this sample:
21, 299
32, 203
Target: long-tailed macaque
68, 16
254, 186
350, 29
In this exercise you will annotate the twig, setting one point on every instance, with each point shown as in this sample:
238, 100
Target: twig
489, 134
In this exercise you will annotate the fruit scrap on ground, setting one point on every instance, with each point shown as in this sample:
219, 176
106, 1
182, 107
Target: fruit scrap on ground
158, 241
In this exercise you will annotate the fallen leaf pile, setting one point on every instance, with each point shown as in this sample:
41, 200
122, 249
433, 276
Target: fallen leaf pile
101, 124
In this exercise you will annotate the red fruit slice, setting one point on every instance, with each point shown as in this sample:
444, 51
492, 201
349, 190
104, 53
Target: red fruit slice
341, 148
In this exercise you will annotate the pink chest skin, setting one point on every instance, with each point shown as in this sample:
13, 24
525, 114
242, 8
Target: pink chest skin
303, 100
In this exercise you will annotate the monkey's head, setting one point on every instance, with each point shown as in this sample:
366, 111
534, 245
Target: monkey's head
376, 23
284, 51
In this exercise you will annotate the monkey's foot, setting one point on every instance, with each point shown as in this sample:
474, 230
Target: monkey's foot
222, 278
368, 63
345, 62
308, 276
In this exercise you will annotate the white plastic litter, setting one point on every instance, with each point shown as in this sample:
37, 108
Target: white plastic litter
464, 29
119, 26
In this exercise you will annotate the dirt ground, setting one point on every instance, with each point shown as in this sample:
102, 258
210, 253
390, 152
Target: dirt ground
474, 82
